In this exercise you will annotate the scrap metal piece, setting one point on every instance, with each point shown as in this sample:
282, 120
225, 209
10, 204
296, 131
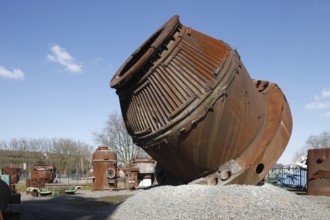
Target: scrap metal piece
318, 172
189, 102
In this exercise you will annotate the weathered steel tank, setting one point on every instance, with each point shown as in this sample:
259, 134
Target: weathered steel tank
189, 102
105, 172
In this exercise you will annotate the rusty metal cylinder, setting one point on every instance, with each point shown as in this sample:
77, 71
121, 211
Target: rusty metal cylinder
189, 102
105, 172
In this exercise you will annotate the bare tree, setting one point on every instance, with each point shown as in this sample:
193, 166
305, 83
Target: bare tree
318, 141
115, 136
314, 142
67, 155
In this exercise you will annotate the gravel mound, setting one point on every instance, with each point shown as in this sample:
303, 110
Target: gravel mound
222, 202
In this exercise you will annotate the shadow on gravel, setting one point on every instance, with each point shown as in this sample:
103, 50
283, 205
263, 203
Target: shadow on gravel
67, 207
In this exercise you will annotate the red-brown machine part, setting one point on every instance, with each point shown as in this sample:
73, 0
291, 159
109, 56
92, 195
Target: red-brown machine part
131, 178
46, 172
14, 174
105, 172
140, 173
318, 172
189, 102
41, 174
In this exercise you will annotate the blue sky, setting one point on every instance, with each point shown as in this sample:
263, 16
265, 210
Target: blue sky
58, 57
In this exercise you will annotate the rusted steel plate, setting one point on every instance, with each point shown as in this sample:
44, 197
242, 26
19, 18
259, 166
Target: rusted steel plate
105, 172
189, 102
318, 172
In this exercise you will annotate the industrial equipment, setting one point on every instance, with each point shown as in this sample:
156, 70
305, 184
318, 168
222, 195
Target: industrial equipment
8, 194
140, 173
41, 174
105, 172
189, 102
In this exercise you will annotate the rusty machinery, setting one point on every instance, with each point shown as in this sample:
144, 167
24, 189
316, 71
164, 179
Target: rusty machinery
105, 172
41, 174
8, 195
318, 172
140, 173
189, 102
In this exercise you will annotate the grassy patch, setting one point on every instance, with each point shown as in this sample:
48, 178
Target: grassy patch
20, 187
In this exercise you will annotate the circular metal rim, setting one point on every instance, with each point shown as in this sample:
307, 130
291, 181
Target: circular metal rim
164, 31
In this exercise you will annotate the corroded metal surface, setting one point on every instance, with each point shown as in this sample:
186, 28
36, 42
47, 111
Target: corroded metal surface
318, 172
189, 102
14, 174
105, 172
46, 172
140, 173
131, 178
41, 174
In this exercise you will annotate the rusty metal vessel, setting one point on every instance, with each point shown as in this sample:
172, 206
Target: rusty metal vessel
105, 172
189, 102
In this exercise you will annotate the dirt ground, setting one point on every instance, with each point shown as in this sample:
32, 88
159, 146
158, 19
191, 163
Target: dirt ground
83, 205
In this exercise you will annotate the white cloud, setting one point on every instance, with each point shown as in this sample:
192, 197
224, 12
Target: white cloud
61, 56
317, 105
325, 93
327, 114
14, 74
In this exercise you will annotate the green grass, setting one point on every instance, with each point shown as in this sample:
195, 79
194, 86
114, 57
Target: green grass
20, 187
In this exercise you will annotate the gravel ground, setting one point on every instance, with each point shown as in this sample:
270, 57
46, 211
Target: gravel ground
222, 202
178, 202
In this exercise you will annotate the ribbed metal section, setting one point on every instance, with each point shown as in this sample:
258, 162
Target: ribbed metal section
187, 74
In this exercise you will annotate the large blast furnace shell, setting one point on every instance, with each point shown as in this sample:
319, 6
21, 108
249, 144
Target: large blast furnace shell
189, 102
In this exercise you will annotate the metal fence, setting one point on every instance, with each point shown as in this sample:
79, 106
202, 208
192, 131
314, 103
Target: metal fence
292, 177
67, 178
